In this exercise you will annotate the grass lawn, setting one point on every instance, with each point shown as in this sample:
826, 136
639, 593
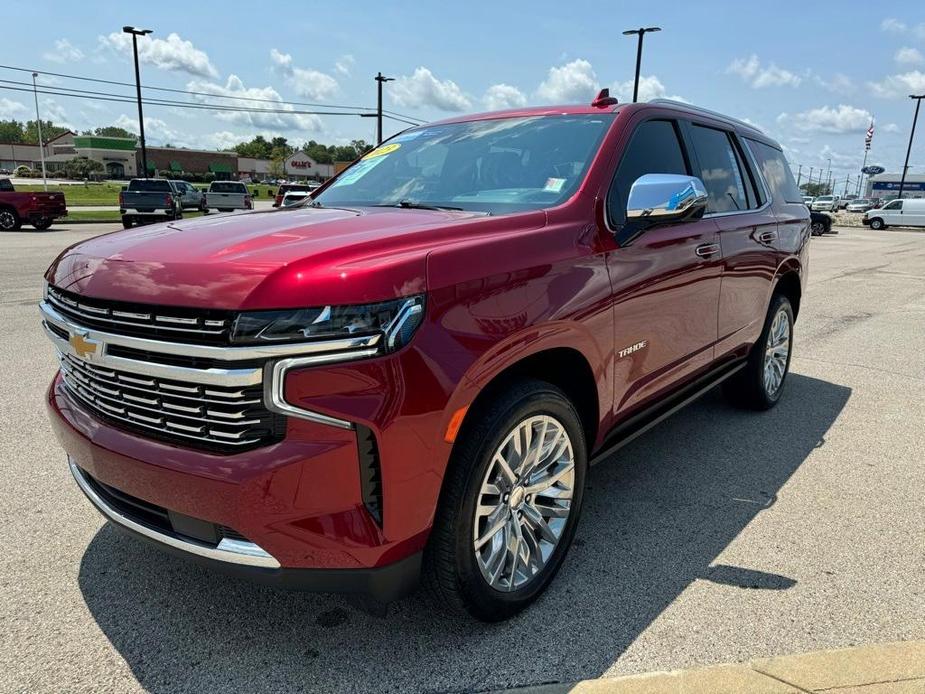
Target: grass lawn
108, 193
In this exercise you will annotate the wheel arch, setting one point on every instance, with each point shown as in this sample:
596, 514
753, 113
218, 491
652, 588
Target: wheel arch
789, 284
563, 366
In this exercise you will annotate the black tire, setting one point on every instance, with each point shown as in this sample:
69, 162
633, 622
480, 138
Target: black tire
9, 220
818, 228
877, 224
127, 222
451, 574
748, 388
43, 223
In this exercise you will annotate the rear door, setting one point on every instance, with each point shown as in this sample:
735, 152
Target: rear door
666, 282
748, 233
914, 213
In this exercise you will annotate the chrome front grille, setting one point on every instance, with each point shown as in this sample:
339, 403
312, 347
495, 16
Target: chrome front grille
205, 415
143, 320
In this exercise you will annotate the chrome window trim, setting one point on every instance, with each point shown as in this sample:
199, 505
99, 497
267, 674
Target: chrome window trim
229, 551
274, 388
217, 352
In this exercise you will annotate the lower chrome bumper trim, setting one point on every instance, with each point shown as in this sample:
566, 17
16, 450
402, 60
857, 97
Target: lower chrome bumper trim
229, 551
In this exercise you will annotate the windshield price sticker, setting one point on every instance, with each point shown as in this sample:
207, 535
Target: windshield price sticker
382, 151
554, 185
357, 171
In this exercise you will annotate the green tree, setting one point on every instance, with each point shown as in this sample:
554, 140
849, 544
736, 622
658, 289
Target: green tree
49, 131
82, 167
814, 189
114, 131
11, 131
277, 167
258, 148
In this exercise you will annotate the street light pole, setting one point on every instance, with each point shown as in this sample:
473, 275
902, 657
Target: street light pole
918, 102
38, 125
641, 31
379, 81
141, 119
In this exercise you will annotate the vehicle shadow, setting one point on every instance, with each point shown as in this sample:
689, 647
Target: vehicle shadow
655, 519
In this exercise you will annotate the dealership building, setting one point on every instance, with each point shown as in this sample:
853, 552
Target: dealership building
121, 158
886, 185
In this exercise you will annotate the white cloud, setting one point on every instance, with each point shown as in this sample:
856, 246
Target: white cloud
306, 82
502, 96
344, 65
423, 89
837, 120
12, 109
569, 83
839, 84
893, 25
650, 87
757, 75
908, 56
64, 52
889, 128
234, 87
172, 53
912, 82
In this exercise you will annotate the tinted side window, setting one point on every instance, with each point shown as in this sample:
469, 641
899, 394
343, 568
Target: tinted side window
776, 172
6, 185
654, 148
895, 205
719, 170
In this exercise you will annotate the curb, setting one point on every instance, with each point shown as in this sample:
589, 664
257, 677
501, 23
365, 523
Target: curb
891, 668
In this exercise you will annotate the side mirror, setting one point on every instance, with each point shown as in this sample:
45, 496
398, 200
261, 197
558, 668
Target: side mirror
665, 199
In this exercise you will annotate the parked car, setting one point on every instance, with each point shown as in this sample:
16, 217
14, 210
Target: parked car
294, 196
410, 379
825, 203
290, 187
820, 223
191, 198
147, 200
38, 209
908, 212
226, 196
843, 202
5, 172
860, 205
808, 200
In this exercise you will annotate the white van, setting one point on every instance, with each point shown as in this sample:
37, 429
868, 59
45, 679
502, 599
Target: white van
909, 212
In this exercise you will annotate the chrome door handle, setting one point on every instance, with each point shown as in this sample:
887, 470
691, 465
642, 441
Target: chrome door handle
707, 249
767, 236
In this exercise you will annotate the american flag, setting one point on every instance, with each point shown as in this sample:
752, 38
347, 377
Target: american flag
870, 132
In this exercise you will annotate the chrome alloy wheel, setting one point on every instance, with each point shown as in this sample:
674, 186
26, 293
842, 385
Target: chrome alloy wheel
776, 352
524, 502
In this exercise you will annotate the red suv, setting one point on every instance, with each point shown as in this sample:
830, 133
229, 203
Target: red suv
408, 377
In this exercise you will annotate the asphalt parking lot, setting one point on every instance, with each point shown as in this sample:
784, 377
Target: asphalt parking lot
718, 536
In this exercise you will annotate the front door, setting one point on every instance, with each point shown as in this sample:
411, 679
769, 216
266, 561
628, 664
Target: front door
666, 282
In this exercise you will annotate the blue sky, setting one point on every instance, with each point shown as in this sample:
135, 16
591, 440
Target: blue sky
810, 74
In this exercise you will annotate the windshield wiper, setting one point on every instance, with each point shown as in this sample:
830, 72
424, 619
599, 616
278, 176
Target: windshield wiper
411, 205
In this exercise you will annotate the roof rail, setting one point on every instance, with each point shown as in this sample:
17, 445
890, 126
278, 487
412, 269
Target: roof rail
706, 111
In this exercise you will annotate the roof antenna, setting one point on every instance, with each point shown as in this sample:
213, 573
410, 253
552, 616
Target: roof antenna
603, 98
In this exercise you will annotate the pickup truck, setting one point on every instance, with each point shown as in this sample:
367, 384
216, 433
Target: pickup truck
407, 380
149, 200
37, 209
226, 196
191, 198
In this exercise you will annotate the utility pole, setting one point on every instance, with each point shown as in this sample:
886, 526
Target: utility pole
641, 31
380, 78
38, 125
799, 171
918, 102
141, 118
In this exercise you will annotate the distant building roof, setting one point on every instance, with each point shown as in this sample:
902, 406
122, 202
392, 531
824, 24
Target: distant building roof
97, 142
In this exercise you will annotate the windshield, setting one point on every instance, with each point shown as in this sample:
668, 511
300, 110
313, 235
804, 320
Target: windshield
825, 198
228, 188
150, 184
496, 166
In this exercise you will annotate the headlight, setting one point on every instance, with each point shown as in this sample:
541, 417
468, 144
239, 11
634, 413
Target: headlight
396, 320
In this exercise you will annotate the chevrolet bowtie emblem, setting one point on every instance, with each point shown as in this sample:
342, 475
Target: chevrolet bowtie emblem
83, 346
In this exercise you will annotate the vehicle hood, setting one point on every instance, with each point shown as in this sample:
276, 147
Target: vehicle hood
293, 257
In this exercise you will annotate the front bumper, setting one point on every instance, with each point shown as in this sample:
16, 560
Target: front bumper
248, 561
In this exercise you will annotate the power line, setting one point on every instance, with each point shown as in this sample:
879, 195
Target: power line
126, 99
396, 116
